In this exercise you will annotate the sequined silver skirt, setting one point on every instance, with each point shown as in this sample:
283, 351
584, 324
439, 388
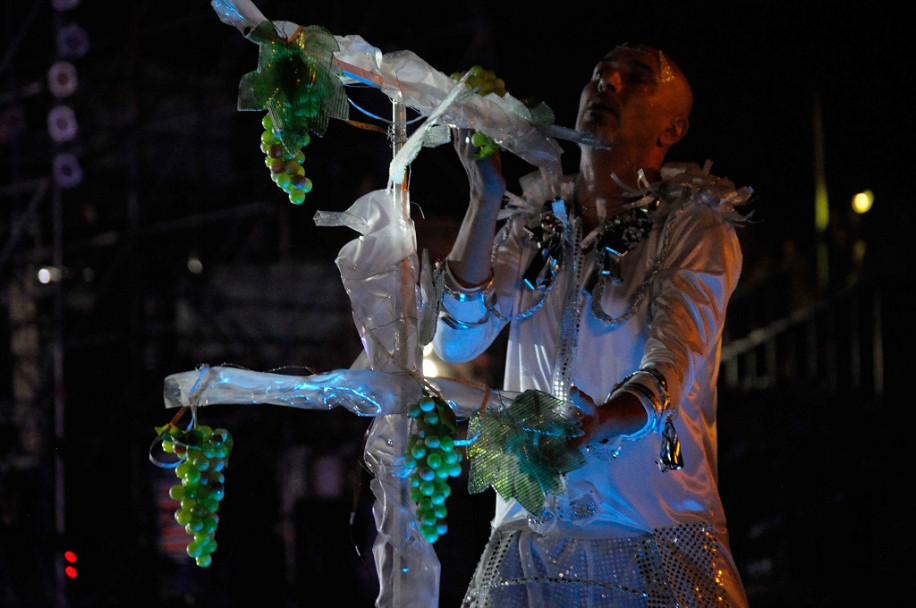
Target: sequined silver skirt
673, 567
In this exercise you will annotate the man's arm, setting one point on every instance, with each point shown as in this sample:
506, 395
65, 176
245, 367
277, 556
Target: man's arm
689, 300
469, 258
466, 327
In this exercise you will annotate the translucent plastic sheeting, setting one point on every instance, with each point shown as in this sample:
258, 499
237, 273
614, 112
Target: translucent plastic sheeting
364, 392
392, 314
407, 566
379, 274
406, 78
371, 268
361, 391
241, 14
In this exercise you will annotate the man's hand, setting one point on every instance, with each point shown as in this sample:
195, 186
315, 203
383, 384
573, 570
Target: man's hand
623, 414
485, 175
588, 415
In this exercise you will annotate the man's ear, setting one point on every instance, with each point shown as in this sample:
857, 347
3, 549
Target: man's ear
674, 132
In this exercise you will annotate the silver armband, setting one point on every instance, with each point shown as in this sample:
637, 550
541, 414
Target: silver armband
482, 293
651, 388
454, 323
452, 287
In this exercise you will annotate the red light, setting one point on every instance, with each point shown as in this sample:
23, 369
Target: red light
70, 569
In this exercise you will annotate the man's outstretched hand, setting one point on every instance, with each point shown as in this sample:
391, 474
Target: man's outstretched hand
485, 175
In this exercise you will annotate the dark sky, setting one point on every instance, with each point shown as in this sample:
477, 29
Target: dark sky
757, 70
164, 148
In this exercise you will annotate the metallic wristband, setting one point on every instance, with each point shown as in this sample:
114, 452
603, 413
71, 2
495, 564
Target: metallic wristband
651, 415
651, 388
454, 323
482, 293
458, 291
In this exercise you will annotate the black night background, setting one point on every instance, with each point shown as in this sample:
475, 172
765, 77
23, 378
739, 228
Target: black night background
175, 249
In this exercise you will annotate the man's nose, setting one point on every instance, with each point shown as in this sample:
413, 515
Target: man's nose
610, 80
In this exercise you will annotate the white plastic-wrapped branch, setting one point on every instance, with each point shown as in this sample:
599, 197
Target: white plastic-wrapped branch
394, 301
361, 391
364, 392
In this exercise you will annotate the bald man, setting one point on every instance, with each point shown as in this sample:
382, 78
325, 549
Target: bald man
614, 283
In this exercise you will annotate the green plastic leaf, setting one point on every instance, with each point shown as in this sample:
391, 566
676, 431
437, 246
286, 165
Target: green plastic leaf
523, 451
295, 82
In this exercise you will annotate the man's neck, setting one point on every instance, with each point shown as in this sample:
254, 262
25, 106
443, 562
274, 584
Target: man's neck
598, 195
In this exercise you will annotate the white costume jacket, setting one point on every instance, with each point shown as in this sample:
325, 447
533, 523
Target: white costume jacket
668, 313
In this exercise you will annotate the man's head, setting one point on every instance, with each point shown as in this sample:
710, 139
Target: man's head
637, 101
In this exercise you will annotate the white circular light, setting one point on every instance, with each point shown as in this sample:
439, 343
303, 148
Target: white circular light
62, 124
195, 266
62, 79
48, 274
67, 171
430, 367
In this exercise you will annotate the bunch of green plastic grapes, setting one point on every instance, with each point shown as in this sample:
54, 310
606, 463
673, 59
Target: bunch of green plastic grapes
299, 97
203, 454
486, 145
430, 460
485, 82
286, 169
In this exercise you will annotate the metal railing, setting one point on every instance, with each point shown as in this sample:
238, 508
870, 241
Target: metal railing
833, 343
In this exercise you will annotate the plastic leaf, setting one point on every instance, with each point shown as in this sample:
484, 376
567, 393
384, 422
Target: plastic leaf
523, 450
294, 82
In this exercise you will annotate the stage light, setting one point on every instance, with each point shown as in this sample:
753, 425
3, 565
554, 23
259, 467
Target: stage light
72, 41
195, 266
62, 124
430, 366
62, 79
70, 567
67, 170
863, 201
48, 274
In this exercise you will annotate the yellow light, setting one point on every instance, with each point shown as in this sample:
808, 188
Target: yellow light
430, 365
863, 201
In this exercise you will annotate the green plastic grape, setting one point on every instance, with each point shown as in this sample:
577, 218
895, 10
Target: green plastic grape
430, 460
285, 166
202, 456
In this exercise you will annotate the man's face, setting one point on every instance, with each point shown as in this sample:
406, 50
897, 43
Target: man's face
628, 101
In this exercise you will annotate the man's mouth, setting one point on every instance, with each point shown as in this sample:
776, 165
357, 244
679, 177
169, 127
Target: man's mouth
604, 107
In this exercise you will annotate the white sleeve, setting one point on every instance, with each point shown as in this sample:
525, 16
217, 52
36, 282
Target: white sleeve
690, 296
470, 321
